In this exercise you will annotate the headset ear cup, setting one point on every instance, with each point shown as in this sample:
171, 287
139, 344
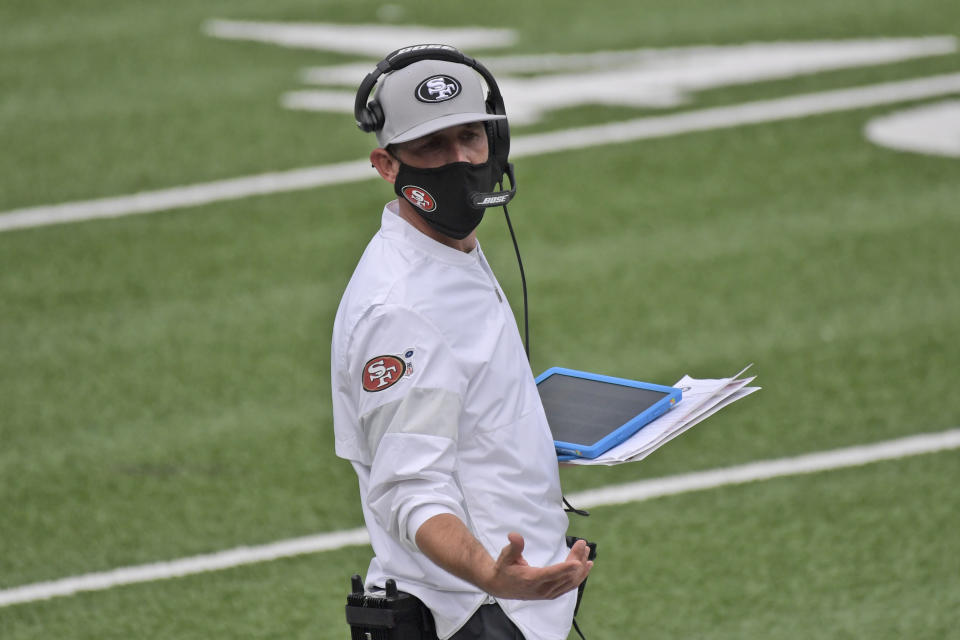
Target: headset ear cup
499, 129
371, 118
365, 121
500, 141
376, 112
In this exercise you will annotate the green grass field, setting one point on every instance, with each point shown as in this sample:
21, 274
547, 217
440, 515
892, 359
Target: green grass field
164, 378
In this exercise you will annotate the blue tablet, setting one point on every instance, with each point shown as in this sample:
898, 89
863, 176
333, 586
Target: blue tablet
589, 413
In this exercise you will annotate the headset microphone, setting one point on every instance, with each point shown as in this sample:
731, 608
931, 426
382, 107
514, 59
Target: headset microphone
482, 200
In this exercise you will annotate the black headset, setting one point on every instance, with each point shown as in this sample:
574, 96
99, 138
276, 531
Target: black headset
369, 115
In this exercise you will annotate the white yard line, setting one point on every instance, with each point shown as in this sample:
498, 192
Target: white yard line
187, 196
631, 492
184, 566
577, 138
767, 469
737, 115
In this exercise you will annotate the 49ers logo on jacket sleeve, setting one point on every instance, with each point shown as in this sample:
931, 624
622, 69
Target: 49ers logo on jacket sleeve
420, 198
382, 372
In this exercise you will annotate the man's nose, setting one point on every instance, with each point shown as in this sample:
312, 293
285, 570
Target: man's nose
460, 152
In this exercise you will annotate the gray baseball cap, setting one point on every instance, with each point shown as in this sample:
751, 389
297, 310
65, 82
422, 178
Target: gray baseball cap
427, 96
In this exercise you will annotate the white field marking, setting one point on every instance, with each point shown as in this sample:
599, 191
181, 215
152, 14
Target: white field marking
788, 108
791, 58
363, 39
648, 77
767, 469
577, 138
187, 196
931, 129
185, 566
618, 494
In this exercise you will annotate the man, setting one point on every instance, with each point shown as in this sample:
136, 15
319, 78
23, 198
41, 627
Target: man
434, 402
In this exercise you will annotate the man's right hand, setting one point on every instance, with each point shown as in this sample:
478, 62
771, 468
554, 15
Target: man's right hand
447, 541
512, 577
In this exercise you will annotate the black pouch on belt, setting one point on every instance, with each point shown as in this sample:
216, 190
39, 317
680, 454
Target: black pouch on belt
389, 614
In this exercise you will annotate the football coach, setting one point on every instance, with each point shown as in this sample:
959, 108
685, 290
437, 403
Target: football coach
434, 402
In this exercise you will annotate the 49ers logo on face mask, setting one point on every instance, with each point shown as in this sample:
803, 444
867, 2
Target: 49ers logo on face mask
382, 372
420, 198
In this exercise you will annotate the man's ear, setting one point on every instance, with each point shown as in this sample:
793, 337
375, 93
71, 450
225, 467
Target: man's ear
385, 164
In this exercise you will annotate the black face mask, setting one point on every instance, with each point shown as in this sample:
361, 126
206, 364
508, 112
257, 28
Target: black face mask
452, 198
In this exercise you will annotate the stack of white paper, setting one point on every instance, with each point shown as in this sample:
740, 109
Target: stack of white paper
701, 399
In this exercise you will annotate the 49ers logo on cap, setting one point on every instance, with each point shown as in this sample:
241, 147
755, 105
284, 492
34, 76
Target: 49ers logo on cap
420, 198
438, 89
382, 372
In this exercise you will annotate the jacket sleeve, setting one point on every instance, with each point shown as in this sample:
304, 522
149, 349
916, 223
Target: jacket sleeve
409, 389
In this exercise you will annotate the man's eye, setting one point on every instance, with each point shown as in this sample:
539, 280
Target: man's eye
426, 147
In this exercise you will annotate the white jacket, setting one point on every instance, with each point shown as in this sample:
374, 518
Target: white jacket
435, 406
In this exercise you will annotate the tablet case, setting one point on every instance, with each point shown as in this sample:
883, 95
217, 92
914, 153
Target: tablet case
591, 413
